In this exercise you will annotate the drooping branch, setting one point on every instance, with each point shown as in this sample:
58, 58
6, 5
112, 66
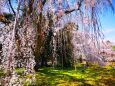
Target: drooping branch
11, 7
110, 3
30, 8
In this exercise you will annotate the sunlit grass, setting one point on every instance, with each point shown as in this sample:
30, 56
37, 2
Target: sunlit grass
80, 77
91, 76
113, 47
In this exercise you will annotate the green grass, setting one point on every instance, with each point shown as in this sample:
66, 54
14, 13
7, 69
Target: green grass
79, 77
113, 47
92, 76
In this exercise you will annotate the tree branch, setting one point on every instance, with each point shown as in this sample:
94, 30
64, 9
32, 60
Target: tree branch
11, 7
111, 5
69, 11
79, 6
43, 3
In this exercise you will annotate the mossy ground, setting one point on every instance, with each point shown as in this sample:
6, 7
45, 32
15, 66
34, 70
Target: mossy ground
91, 76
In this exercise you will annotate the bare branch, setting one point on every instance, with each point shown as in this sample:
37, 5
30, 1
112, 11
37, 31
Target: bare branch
79, 6
11, 7
69, 11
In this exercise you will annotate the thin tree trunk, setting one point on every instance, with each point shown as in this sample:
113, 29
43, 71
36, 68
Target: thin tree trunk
12, 45
10, 68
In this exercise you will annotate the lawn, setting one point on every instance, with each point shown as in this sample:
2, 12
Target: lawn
91, 76
80, 77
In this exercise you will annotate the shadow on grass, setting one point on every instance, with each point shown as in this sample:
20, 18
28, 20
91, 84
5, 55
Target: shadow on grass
80, 77
69, 77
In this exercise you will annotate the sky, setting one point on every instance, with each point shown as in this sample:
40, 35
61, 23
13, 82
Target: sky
108, 24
